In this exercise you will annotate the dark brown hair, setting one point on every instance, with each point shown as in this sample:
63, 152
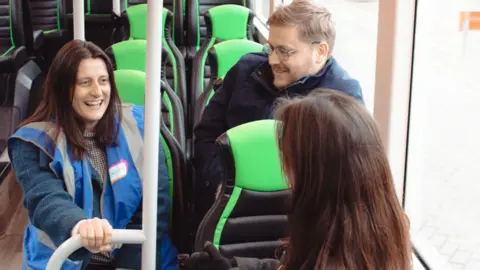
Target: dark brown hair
57, 98
344, 213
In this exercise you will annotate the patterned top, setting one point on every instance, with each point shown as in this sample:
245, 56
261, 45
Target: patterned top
98, 159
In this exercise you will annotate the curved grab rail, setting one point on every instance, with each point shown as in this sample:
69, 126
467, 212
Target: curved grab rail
73, 243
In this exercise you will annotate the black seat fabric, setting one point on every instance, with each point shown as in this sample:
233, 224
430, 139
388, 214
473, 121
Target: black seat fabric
95, 7
11, 34
48, 15
235, 223
177, 168
13, 54
18, 75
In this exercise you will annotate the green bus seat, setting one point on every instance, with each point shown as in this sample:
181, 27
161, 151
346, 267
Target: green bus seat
222, 57
131, 89
135, 28
224, 22
197, 30
235, 223
176, 7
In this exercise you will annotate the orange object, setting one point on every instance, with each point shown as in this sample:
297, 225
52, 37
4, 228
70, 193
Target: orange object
473, 17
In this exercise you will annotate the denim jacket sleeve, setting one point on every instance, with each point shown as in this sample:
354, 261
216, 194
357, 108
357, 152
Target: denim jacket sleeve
50, 208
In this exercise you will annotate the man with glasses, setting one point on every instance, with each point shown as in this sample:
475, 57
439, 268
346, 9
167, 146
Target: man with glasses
296, 59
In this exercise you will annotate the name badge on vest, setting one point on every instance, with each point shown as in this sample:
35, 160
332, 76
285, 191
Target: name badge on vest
118, 171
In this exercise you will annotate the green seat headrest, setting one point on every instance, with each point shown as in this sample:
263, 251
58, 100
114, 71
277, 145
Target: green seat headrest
229, 21
130, 54
228, 53
256, 157
130, 85
137, 19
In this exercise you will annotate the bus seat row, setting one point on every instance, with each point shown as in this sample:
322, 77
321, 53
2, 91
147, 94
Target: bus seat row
131, 89
188, 15
135, 28
19, 75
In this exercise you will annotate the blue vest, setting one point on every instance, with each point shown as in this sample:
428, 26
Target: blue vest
118, 202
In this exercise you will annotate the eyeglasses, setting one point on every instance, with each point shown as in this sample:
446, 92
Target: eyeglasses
283, 54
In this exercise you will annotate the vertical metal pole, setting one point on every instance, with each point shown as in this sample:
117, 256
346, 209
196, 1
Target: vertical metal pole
116, 7
78, 19
152, 132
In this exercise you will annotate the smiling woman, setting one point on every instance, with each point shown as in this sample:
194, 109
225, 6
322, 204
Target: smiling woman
79, 161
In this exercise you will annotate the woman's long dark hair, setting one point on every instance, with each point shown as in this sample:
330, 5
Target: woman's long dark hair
58, 95
344, 213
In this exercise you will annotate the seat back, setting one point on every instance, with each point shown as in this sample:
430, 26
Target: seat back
130, 54
177, 166
48, 15
11, 26
6, 42
131, 89
133, 15
226, 22
235, 223
222, 57
197, 30
97, 7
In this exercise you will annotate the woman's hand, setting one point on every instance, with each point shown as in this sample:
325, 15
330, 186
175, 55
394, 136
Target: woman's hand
96, 234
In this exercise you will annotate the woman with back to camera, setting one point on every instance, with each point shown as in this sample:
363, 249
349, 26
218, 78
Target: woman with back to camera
79, 159
344, 210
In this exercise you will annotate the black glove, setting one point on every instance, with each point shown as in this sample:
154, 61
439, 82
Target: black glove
208, 259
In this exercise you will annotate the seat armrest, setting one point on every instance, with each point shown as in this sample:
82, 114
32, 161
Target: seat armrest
14, 60
38, 39
20, 57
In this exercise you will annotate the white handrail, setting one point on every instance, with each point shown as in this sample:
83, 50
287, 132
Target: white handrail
116, 7
78, 20
72, 244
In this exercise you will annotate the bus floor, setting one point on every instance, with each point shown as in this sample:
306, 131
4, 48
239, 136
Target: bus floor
13, 221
